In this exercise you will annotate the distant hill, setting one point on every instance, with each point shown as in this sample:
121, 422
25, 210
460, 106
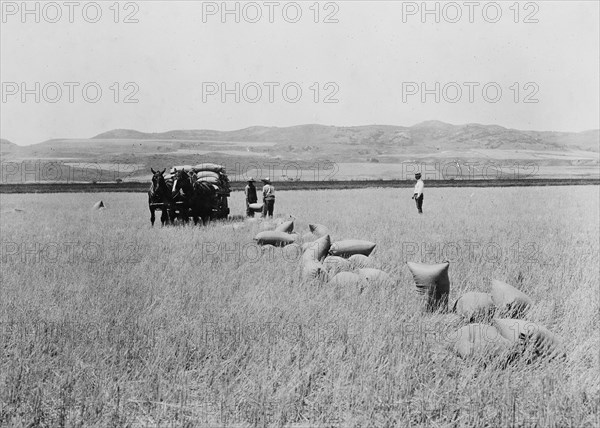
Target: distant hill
429, 135
356, 152
7, 146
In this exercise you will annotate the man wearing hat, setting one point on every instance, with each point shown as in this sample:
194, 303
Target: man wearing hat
268, 197
418, 193
251, 198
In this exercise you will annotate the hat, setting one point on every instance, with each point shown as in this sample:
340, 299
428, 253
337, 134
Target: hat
266, 180
418, 175
251, 179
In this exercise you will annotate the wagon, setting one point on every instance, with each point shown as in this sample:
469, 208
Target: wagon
215, 177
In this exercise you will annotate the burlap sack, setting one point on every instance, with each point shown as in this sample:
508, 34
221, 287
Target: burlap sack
345, 280
213, 167
511, 303
286, 226
349, 247
317, 250
433, 283
335, 264
318, 230
313, 270
475, 306
361, 261
278, 239
531, 340
478, 341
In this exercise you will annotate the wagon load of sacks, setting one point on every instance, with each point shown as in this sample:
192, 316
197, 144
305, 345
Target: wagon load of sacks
210, 173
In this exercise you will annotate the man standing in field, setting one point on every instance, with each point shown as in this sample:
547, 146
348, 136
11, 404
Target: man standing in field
268, 198
418, 193
251, 198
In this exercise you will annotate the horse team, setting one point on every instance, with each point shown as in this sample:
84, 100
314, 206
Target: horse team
183, 194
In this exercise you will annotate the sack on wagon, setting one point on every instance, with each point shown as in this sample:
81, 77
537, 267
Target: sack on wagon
186, 168
318, 230
433, 283
286, 226
278, 239
530, 340
317, 250
478, 341
475, 306
205, 174
208, 179
511, 302
349, 247
209, 167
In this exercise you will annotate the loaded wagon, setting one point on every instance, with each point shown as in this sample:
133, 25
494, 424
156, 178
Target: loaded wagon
199, 191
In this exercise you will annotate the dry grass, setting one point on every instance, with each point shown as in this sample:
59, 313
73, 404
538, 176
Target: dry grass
184, 326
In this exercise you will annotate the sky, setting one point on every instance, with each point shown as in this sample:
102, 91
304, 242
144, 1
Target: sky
153, 66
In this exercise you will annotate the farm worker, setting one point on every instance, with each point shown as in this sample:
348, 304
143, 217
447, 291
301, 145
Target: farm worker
268, 197
418, 193
251, 198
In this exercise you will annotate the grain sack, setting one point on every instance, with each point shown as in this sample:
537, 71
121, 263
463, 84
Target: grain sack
474, 306
511, 302
361, 261
213, 167
350, 247
318, 249
278, 239
286, 226
313, 270
432, 281
478, 341
186, 168
256, 207
345, 280
375, 277
210, 180
318, 230
204, 174
335, 264
98, 205
531, 340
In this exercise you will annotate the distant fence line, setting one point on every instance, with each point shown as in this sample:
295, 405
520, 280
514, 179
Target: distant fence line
140, 187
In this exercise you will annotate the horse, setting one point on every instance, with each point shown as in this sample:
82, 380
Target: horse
204, 201
182, 195
193, 196
159, 197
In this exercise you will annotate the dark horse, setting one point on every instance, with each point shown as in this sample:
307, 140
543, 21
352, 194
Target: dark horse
159, 197
192, 196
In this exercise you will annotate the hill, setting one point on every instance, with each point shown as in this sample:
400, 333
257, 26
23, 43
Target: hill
349, 152
425, 135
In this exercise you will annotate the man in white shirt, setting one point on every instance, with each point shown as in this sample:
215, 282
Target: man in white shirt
268, 198
418, 193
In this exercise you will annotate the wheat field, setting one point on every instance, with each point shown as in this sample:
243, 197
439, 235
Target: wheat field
109, 322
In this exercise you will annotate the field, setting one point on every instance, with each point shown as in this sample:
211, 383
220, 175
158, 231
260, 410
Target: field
109, 322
